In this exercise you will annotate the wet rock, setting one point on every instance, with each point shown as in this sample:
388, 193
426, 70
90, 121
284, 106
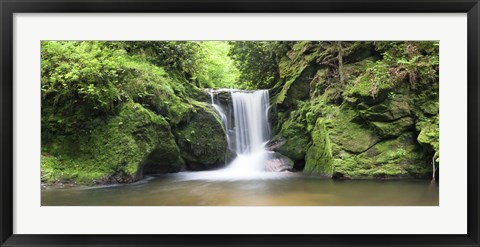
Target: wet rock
273, 144
202, 140
278, 163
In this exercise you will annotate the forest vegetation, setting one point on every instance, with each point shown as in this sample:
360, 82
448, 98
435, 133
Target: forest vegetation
113, 111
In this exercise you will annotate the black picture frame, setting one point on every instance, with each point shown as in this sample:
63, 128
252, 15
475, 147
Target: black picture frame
10, 7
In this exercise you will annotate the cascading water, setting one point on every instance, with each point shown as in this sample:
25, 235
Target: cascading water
222, 115
244, 115
250, 114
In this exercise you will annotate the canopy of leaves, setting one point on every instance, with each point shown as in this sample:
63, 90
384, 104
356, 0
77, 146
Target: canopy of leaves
182, 56
217, 69
79, 82
258, 61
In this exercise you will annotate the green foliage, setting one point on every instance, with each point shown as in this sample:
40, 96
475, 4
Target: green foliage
108, 108
183, 56
258, 61
412, 62
82, 81
217, 69
79, 83
50, 167
158, 91
206, 63
113, 148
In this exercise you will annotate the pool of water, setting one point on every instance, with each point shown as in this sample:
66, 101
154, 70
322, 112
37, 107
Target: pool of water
274, 189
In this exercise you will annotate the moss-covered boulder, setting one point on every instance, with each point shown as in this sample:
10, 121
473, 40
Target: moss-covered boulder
396, 106
318, 159
378, 104
394, 128
294, 137
202, 139
429, 135
119, 149
399, 157
350, 133
298, 87
297, 70
427, 124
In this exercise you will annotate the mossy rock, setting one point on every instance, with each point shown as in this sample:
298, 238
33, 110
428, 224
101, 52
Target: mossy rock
396, 106
392, 158
427, 100
429, 135
352, 70
202, 139
394, 128
295, 137
297, 141
358, 51
277, 162
300, 87
296, 70
296, 86
364, 89
318, 84
350, 133
430, 107
318, 159
116, 150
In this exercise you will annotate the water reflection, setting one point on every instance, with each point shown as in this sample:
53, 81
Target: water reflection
289, 189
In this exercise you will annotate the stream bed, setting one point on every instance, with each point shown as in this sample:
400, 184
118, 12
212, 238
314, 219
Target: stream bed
276, 189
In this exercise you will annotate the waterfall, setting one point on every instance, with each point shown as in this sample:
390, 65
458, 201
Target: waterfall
245, 119
251, 120
222, 115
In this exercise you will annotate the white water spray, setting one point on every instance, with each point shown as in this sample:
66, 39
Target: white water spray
247, 133
222, 115
252, 131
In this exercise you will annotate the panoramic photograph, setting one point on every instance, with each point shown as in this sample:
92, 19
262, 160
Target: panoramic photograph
240, 123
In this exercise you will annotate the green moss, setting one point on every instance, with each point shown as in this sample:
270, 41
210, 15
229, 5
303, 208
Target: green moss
430, 107
373, 84
299, 89
202, 140
291, 75
429, 135
295, 132
392, 129
318, 85
350, 133
369, 102
297, 69
318, 159
297, 143
398, 157
115, 148
49, 166
396, 106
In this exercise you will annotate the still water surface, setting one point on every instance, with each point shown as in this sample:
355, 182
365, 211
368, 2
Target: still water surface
287, 189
